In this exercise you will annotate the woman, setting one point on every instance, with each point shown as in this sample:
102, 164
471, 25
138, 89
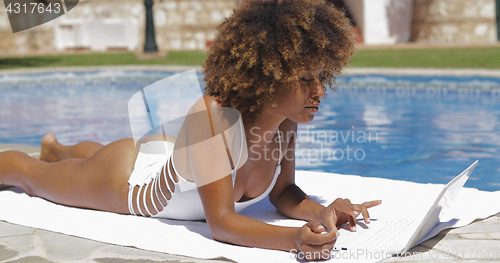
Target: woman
271, 63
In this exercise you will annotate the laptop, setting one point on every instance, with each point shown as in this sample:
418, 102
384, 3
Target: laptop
398, 235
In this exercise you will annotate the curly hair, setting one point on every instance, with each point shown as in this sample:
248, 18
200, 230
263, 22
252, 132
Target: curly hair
264, 43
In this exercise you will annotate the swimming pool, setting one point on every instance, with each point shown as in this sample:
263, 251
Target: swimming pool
421, 129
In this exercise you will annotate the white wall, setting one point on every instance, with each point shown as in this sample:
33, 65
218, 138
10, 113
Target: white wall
356, 9
382, 21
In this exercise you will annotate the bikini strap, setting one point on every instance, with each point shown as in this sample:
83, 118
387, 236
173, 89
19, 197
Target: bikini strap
279, 142
138, 199
144, 199
153, 188
242, 142
167, 163
159, 184
130, 197
233, 172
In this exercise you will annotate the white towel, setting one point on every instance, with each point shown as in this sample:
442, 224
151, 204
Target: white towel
180, 237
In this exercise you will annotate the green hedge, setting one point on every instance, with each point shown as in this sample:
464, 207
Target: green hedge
408, 58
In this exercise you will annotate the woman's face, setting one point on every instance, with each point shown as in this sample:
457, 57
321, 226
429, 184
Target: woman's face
299, 100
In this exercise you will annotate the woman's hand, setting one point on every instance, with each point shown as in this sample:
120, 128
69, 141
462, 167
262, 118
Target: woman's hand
314, 241
342, 211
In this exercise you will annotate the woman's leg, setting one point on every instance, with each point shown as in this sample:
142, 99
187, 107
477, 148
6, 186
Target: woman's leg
99, 182
53, 151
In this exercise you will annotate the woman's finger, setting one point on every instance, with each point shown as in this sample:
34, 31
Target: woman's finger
355, 212
364, 212
351, 216
371, 204
320, 239
313, 238
316, 226
363, 208
344, 205
329, 219
352, 223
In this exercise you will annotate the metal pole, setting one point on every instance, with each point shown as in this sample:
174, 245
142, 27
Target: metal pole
150, 43
498, 19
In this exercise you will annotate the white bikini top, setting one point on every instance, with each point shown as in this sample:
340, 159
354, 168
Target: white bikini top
188, 185
185, 202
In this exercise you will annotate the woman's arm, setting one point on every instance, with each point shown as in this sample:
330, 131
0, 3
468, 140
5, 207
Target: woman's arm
230, 227
291, 201
286, 196
294, 203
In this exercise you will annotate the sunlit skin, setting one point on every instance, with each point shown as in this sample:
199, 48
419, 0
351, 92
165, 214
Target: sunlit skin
300, 101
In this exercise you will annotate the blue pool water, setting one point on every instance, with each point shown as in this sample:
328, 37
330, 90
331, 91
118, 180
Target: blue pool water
421, 129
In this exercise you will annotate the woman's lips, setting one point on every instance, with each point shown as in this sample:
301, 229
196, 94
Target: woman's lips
312, 109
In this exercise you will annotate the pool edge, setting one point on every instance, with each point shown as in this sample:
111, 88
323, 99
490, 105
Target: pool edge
198, 68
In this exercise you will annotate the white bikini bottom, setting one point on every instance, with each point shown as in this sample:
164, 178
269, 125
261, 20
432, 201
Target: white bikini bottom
185, 202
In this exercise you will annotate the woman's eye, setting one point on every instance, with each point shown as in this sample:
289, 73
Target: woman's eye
306, 79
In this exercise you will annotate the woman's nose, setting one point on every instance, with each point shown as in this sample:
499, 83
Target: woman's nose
319, 90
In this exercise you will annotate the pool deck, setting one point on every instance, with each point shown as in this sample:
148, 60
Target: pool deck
479, 241
346, 71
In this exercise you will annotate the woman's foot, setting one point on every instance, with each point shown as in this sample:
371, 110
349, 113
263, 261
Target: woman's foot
48, 152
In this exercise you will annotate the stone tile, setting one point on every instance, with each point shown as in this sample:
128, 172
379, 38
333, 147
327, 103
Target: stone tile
222, 259
59, 247
30, 259
135, 252
439, 261
417, 253
6, 253
131, 253
120, 260
481, 236
466, 249
37, 246
8, 229
489, 225
21, 243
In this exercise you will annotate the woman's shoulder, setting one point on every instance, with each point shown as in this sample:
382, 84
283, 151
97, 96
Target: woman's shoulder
210, 101
208, 117
204, 103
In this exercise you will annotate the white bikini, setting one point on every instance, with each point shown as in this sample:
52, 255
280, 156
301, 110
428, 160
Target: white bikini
185, 202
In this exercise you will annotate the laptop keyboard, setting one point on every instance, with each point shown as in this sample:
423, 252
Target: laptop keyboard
389, 236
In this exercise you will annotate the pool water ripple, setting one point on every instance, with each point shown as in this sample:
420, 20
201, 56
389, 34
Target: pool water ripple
420, 129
